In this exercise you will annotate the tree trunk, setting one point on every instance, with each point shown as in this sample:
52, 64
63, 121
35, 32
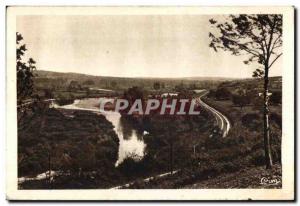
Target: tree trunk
49, 168
267, 143
171, 156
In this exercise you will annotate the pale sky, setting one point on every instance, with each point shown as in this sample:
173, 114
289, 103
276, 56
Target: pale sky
129, 46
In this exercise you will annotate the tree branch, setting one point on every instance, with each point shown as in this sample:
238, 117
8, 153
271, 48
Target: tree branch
251, 51
274, 60
275, 42
271, 38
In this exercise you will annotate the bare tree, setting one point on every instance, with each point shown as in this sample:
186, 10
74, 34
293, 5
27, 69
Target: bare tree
259, 38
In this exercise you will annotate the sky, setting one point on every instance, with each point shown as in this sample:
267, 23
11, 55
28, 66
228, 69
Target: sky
130, 46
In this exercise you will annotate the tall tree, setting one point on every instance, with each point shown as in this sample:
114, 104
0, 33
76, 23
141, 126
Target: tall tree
24, 71
259, 38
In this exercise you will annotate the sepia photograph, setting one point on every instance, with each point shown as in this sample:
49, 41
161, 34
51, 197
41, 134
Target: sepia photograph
150, 103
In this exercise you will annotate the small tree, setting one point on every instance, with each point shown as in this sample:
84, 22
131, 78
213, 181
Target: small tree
222, 93
260, 38
156, 85
240, 100
74, 86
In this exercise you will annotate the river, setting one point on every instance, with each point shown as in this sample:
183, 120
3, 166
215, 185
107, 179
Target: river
131, 142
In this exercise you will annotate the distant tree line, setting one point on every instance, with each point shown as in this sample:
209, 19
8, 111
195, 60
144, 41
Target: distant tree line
244, 97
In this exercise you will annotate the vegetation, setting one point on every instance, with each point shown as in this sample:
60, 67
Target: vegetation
24, 71
222, 93
75, 143
208, 156
259, 37
156, 85
192, 146
241, 99
276, 98
60, 81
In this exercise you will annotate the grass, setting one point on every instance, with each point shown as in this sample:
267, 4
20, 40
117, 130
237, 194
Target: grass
250, 177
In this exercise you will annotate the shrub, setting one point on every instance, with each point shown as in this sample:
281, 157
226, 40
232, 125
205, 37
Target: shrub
241, 100
222, 93
258, 158
230, 167
251, 121
276, 98
277, 119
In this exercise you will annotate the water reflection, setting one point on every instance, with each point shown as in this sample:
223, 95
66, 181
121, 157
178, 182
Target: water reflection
131, 142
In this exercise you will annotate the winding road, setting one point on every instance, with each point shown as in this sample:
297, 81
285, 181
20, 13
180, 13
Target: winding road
221, 120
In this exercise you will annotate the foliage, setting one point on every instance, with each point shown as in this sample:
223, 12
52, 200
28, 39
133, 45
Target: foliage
258, 36
222, 93
251, 121
86, 142
74, 86
113, 84
24, 71
276, 98
48, 94
241, 100
156, 85
89, 82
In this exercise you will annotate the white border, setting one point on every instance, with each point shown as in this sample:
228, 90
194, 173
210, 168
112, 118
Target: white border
287, 191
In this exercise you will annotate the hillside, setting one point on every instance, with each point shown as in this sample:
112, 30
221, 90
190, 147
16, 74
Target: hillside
58, 80
52, 74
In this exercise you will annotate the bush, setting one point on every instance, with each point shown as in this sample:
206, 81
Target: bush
64, 100
230, 167
277, 119
276, 98
241, 100
251, 121
258, 158
222, 94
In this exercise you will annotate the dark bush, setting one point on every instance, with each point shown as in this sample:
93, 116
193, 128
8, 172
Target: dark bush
276, 98
241, 100
251, 121
230, 167
277, 119
222, 93
258, 158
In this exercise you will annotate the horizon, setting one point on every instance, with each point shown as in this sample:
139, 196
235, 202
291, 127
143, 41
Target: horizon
145, 77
